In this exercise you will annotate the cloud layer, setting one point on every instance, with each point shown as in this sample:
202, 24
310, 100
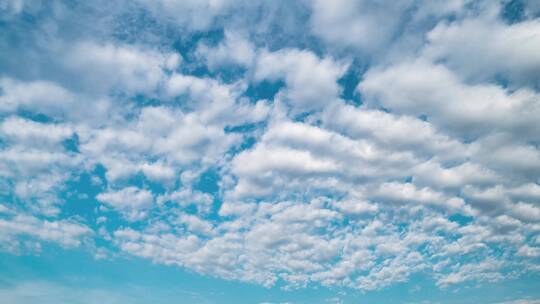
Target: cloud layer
370, 143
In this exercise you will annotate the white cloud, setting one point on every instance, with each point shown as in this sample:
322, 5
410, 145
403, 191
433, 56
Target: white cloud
188, 197
193, 139
291, 154
34, 159
64, 232
486, 270
27, 131
20, 162
51, 99
176, 139
528, 251
371, 27
357, 23
40, 96
407, 193
432, 174
311, 81
301, 243
217, 103
196, 225
401, 132
158, 172
356, 206
234, 49
483, 49
121, 67
422, 88
526, 212
132, 202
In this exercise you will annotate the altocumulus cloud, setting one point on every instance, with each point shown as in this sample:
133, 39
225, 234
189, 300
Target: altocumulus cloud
350, 144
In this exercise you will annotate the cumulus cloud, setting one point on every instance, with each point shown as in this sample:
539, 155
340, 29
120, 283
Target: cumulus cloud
132, 202
40, 96
498, 50
290, 154
356, 23
27, 131
397, 132
311, 81
233, 50
106, 66
64, 232
36, 161
423, 88
359, 24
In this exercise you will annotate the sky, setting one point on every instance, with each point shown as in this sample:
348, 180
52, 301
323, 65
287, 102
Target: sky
265, 152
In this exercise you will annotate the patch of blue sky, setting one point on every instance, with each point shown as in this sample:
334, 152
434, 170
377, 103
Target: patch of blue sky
513, 11
264, 89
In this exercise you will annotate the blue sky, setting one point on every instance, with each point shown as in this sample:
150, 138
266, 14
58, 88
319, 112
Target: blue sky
237, 151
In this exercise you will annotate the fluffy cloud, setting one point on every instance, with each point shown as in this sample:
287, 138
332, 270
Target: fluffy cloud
27, 131
356, 23
36, 162
18, 227
132, 202
119, 67
423, 88
283, 241
396, 132
176, 139
234, 49
40, 96
311, 81
370, 27
498, 50
290, 154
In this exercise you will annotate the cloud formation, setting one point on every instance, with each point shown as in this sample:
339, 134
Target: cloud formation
382, 141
